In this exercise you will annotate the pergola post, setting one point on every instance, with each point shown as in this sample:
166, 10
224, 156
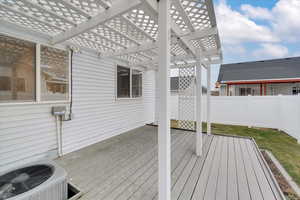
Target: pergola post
208, 95
164, 143
199, 107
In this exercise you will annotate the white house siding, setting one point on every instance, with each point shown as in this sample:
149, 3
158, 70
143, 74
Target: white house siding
28, 132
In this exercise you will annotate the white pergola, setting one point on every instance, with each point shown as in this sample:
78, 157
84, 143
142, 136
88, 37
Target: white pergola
153, 34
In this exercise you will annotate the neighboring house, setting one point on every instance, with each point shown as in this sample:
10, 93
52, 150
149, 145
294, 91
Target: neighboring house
260, 78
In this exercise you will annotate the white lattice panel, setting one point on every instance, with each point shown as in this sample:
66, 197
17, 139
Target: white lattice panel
120, 24
186, 98
101, 40
176, 49
178, 18
112, 35
197, 12
34, 11
89, 6
28, 22
132, 28
63, 9
206, 43
145, 21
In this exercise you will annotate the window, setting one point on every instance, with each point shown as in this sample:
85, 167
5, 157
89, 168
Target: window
245, 91
123, 81
19, 67
17, 70
136, 83
54, 74
129, 82
296, 90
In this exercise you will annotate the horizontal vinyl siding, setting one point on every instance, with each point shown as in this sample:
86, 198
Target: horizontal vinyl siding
28, 132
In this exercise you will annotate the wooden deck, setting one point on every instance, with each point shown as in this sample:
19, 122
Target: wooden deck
125, 167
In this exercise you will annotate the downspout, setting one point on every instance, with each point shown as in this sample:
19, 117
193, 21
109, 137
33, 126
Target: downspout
59, 134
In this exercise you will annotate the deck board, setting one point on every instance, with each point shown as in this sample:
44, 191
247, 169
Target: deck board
125, 167
221, 190
232, 186
243, 186
254, 188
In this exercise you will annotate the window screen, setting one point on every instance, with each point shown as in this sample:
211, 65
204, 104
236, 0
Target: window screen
17, 70
123, 82
54, 74
136, 83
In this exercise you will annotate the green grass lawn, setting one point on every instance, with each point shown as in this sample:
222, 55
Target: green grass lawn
284, 147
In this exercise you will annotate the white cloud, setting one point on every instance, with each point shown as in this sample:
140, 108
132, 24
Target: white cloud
234, 49
256, 12
284, 18
286, 23
268, 50
237, 28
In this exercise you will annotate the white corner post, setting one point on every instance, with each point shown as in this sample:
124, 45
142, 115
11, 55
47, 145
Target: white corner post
208, 101
199, 107
164, 137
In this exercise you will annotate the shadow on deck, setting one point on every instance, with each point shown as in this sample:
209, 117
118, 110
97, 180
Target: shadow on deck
125, 167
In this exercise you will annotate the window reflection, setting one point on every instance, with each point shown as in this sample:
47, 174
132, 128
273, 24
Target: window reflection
54, 74
17, 70
123, 81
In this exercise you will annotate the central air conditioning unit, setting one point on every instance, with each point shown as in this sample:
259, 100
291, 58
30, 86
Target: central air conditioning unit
43, 180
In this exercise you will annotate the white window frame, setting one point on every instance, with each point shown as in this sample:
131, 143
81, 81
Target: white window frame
38, 76
130, 84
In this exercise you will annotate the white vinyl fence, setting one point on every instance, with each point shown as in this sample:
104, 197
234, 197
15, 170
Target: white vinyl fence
280, 112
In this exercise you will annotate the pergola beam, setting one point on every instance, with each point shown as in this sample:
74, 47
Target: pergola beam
152, 45
173, 59
143, 47
119, 8
205, 55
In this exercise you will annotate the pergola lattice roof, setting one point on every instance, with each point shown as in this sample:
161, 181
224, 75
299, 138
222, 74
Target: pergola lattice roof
123, 29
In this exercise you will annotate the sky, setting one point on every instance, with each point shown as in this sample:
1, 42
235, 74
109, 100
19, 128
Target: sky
257, 30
